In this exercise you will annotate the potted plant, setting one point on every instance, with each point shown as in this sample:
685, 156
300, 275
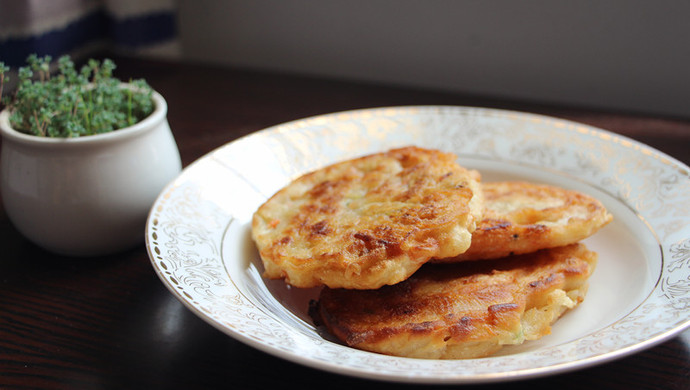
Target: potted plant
83, 157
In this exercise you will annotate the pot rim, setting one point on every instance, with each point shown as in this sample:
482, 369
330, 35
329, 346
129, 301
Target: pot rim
159, 113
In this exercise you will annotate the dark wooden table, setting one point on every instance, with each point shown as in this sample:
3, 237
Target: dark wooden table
107, 323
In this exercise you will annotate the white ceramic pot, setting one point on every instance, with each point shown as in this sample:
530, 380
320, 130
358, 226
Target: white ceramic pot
91, 195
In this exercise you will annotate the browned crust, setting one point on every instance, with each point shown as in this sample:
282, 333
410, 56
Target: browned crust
369, 221
543, 216
473, 307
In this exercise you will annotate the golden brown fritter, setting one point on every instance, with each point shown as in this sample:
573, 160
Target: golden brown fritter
462, 310
370, 221
521, 217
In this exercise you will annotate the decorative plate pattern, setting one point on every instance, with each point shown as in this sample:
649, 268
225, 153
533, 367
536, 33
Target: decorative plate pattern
198, 235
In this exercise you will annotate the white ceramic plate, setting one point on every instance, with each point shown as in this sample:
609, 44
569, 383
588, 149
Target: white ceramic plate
198, 235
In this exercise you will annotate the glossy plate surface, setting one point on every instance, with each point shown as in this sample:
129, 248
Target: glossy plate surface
198, 235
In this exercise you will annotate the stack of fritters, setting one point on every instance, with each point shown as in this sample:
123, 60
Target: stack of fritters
503, 260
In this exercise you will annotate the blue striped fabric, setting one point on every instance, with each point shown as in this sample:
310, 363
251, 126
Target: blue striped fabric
144, 30
98, 26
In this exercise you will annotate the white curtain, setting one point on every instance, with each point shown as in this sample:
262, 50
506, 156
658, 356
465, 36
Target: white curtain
81, 27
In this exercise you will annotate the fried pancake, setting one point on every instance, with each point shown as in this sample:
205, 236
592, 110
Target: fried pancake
521, 217
370, 221
462, 310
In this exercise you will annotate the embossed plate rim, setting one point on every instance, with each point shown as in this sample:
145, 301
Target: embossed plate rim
211, 295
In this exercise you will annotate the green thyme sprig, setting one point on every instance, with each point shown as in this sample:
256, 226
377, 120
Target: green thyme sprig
4, 69
74, 104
